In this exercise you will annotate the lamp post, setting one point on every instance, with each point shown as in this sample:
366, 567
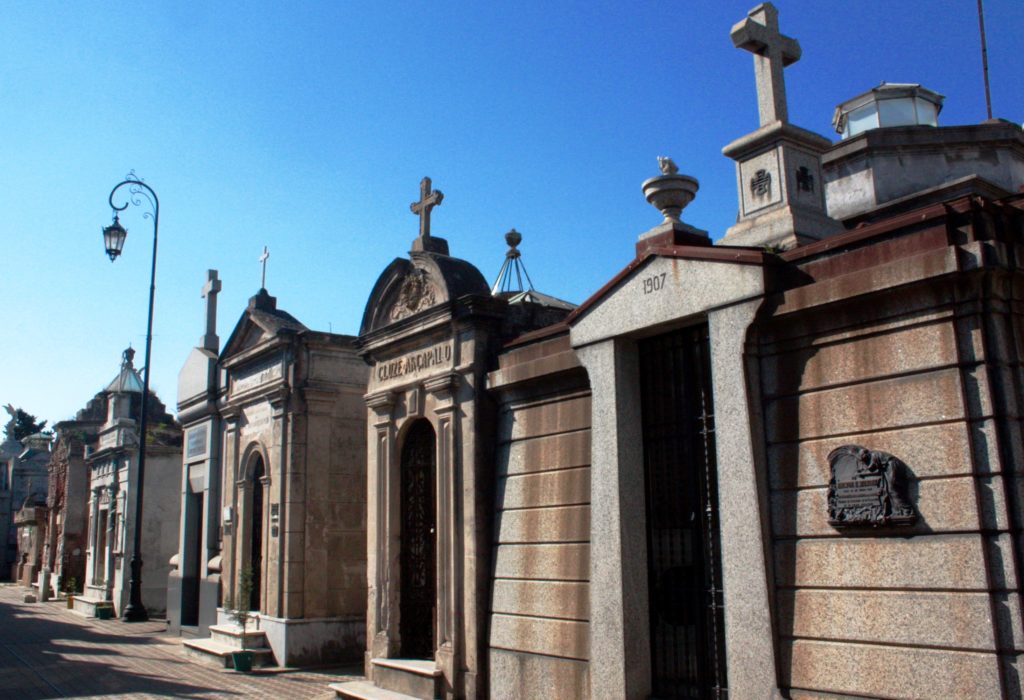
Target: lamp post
113, 238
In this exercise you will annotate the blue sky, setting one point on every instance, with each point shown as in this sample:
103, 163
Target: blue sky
306, 127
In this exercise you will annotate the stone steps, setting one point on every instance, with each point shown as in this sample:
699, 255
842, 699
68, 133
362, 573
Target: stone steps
396, 679
365, 690
224, 640
218, 655
89, 607
231, 635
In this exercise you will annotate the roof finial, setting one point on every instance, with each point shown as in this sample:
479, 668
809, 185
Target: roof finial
263, 260
504, 284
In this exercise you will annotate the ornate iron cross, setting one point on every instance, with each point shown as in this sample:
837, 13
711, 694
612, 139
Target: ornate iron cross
428, 200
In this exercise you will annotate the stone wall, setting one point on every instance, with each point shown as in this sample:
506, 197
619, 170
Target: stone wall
914, 356
540, 602
160, 512
330, 440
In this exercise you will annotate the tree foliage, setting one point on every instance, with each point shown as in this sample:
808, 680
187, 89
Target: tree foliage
21, 424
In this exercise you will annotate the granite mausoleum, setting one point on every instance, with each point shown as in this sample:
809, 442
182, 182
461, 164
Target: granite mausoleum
785, 465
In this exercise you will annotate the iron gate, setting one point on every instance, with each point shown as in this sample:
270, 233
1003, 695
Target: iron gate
418, 539
683, 561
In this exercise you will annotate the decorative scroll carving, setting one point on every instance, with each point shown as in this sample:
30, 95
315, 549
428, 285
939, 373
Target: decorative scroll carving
416, 294
866, 489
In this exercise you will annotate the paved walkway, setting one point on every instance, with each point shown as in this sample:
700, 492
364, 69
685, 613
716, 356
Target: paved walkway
46, 651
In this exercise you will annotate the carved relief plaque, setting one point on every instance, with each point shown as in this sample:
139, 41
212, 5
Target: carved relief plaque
866, 489
416, 294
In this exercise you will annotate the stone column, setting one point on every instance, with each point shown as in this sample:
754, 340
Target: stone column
94, 518
379, 593
743, 510
449, 564
108, 556
619, 648
230, 498
275, 490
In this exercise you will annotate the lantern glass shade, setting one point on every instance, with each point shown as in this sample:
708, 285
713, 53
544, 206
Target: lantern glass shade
113, 238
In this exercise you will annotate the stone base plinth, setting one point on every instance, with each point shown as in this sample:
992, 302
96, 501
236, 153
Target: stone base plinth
308, 642
89, 606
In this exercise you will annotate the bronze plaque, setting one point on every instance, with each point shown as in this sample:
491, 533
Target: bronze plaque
866, 489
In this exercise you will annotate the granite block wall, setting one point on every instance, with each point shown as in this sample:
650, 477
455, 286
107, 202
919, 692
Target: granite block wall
539, 622
928, 610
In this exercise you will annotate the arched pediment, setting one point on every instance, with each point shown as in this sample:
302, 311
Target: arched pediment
410, 286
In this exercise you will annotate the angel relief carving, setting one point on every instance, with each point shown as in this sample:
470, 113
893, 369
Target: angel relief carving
415, 295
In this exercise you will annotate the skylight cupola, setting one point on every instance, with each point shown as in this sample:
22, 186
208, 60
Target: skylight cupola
889, 104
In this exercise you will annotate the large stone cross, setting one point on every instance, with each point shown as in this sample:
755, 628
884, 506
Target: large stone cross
428, 200
210, 289
759, 34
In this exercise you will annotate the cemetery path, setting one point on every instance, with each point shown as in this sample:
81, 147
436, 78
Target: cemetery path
46, 651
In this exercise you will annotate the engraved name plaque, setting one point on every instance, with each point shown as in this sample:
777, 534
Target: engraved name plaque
196, 442
866, 489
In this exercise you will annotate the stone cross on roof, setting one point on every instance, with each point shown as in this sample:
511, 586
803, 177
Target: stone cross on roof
759, 34
263, 259
428, 200
210, 289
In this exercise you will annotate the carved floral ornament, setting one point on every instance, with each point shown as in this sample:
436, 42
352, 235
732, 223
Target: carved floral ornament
415, 295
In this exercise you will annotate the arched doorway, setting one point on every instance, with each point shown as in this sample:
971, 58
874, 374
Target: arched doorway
256, 539
418, 542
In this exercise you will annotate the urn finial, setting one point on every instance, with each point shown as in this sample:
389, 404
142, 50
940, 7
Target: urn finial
670, 192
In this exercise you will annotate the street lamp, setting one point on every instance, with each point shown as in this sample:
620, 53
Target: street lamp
113, 238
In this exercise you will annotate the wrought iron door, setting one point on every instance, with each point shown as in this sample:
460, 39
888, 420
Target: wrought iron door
683, 561
256, 541
418, 543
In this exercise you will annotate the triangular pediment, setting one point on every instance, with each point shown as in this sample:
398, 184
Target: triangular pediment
261, 322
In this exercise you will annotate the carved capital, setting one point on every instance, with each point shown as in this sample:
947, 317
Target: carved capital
443, 387
382, 402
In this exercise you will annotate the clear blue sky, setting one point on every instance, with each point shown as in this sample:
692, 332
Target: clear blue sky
306, 127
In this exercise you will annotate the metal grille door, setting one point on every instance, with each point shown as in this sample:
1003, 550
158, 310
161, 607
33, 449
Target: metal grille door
256, 541
683, 561
419, 582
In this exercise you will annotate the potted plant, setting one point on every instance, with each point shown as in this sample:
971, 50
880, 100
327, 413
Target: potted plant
70, 588
237, 608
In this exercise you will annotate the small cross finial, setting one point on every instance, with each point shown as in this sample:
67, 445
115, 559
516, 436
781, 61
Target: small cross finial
263, 260
759, 34
428, 200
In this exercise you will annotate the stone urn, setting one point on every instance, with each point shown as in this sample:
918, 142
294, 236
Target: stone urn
670, 194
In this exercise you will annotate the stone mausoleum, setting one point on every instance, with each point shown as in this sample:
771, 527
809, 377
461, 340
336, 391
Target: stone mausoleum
783, 465
23, 480
112, 461
272, 483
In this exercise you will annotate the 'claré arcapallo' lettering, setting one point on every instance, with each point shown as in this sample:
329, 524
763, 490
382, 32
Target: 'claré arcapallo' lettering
414, 362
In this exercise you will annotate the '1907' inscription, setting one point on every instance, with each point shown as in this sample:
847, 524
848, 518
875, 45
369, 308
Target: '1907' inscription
654, 284
415, 362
